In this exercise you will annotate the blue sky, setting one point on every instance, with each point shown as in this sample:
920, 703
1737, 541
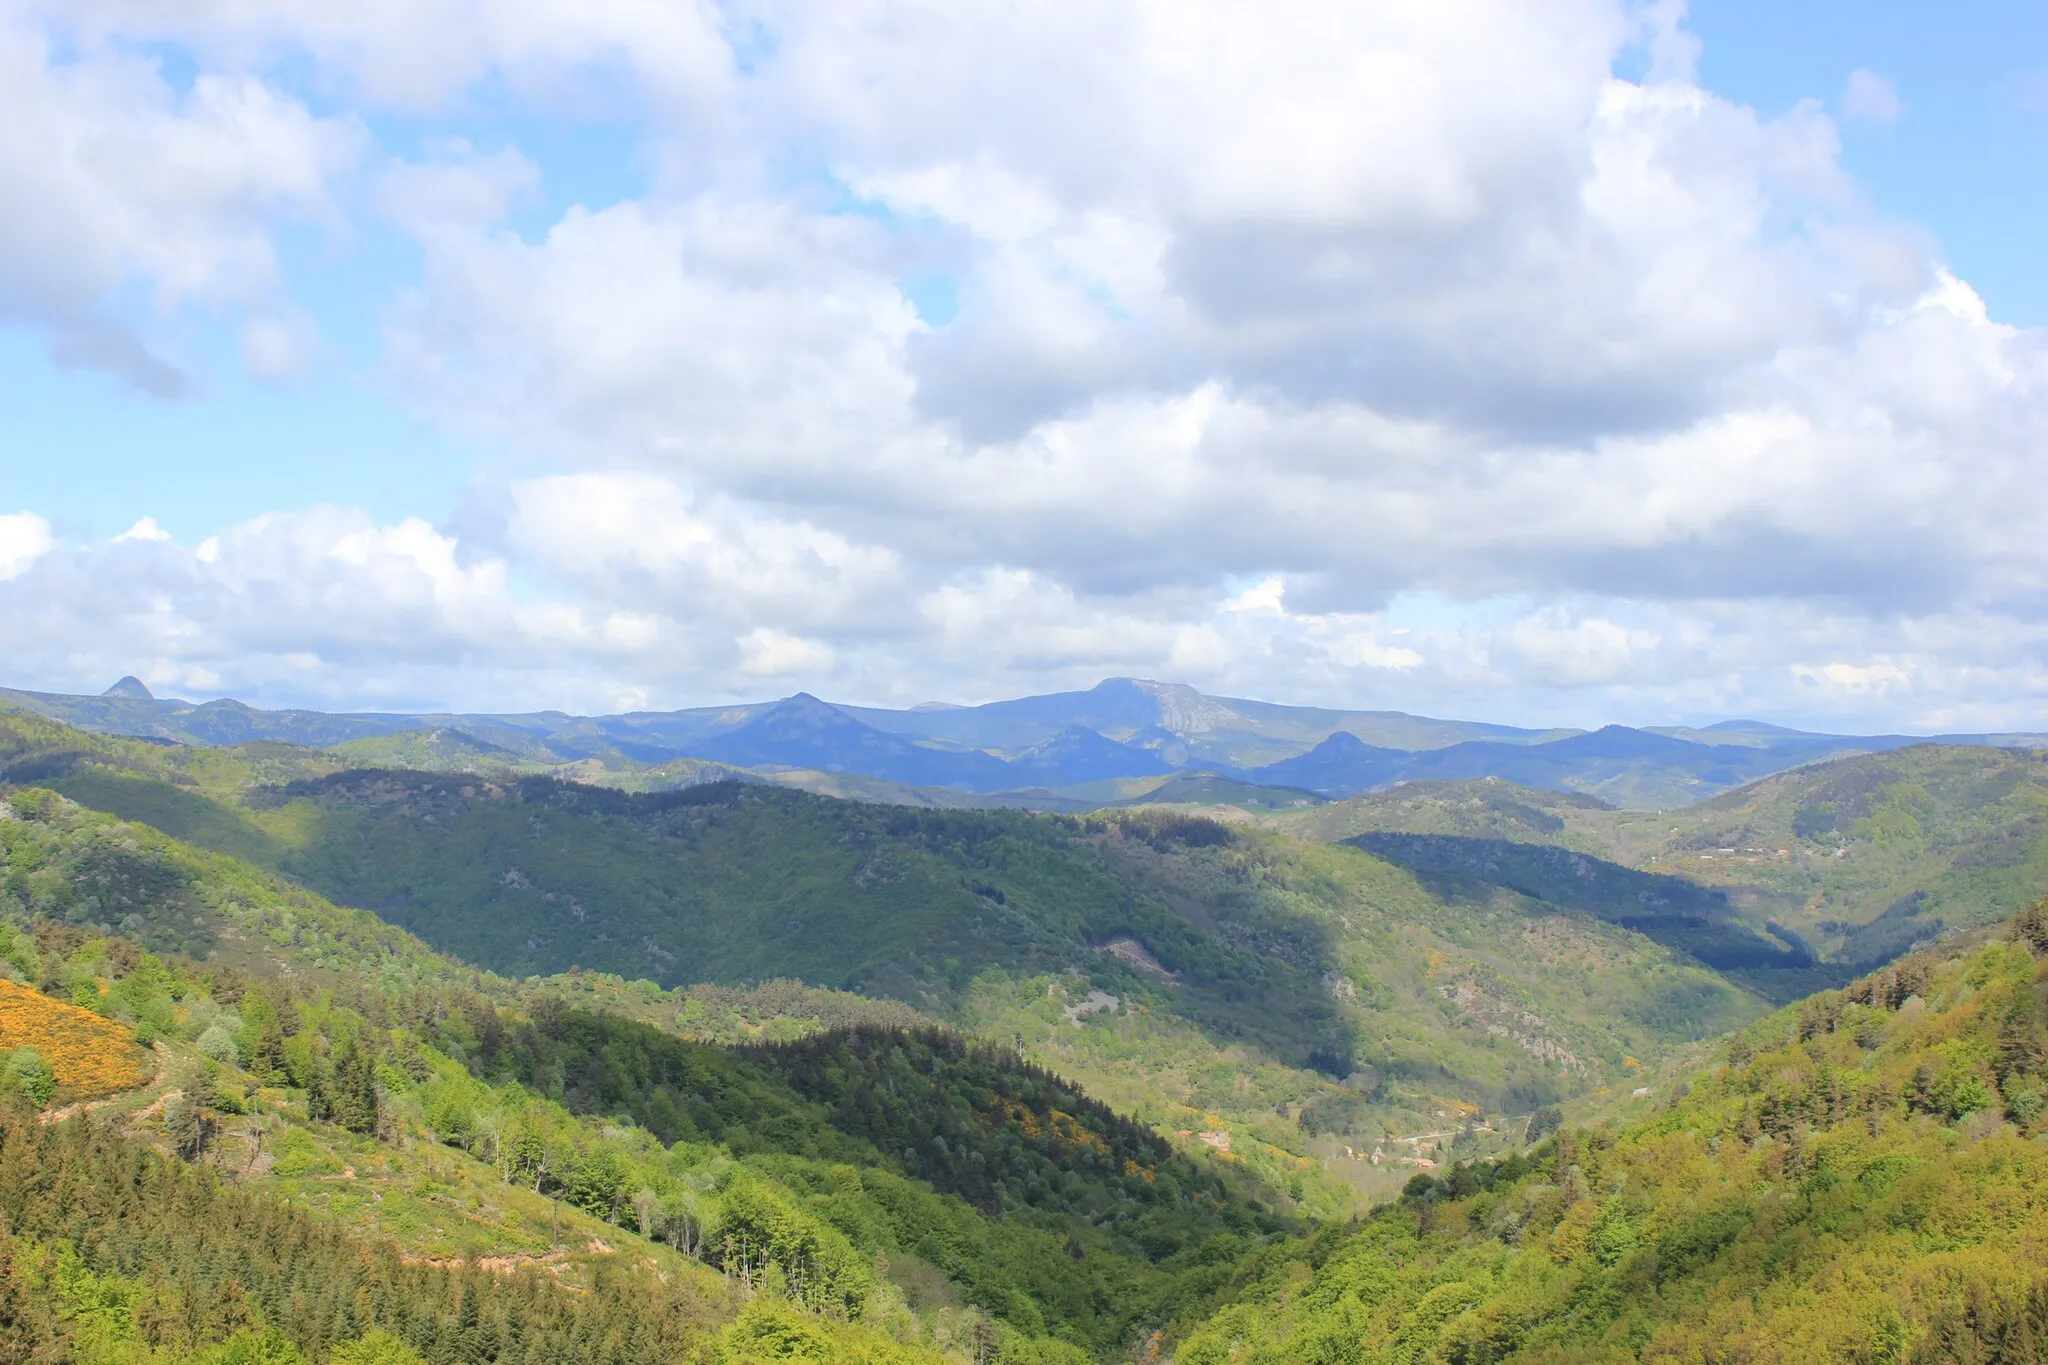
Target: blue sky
1967, 155
1598, 362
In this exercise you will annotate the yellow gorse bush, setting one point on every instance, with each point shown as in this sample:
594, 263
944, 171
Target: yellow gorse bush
90, 1055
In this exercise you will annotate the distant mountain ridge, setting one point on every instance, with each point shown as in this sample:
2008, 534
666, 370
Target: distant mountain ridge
1052, 747
1642, 769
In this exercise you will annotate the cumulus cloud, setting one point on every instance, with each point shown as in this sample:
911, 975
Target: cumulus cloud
639, 540
1401, 354
24, 538
415, 55
145, 528
1559, 648
115, 178
766, 652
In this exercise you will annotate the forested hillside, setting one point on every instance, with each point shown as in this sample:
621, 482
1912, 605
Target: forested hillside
905, 1179
1859, 858
113, 1252
1289, 999
1858, 1178
1483, 809
1698, 921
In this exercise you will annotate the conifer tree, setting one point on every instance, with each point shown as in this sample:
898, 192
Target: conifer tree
26, 1333
355, 1090
268, 1063
191, 1115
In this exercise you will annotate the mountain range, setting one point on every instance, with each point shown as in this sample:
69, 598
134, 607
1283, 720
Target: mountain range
1113, 742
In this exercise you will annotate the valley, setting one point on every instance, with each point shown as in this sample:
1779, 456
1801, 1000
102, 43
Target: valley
1297, 995
895, 1081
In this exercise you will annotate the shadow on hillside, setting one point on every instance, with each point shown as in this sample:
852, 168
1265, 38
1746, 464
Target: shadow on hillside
1684, 916
184, 815
1248, 969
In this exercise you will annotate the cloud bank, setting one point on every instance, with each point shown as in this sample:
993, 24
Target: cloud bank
1403, 355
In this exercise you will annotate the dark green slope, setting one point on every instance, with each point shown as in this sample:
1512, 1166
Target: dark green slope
1859, 858
1487, 808
730, 882
1683, 915
1321, 966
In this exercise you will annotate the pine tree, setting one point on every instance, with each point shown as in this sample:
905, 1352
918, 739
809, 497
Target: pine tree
268, 1063
355, 1090
190, 1115
26, 1333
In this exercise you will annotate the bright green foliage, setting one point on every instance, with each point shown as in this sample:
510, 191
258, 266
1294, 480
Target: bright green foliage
855, 1143
375, 1348
1857, 1181
1474, 810
1699, 922
1849, 1185
25, 1078
252, 1346
1931, 837
118, 1255
769, 1332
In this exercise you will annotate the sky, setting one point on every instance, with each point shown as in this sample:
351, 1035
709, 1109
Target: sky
1555, 363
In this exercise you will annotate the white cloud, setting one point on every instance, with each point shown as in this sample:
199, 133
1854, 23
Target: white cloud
458, 188
145, 528
1881, 675
637, 539
279, 345
114, 178
1869, 98
766, 652
24, 538
415, 55
1559, 648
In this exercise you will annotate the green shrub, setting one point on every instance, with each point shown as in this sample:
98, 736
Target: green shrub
27, 1079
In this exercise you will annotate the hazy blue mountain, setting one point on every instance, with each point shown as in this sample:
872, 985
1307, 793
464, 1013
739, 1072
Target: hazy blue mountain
1114, 706
1182, 725
1342, 765
1757, 734
1187, 726
125, 710
804, 732
1075, 755
1628, 767
1066, 744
